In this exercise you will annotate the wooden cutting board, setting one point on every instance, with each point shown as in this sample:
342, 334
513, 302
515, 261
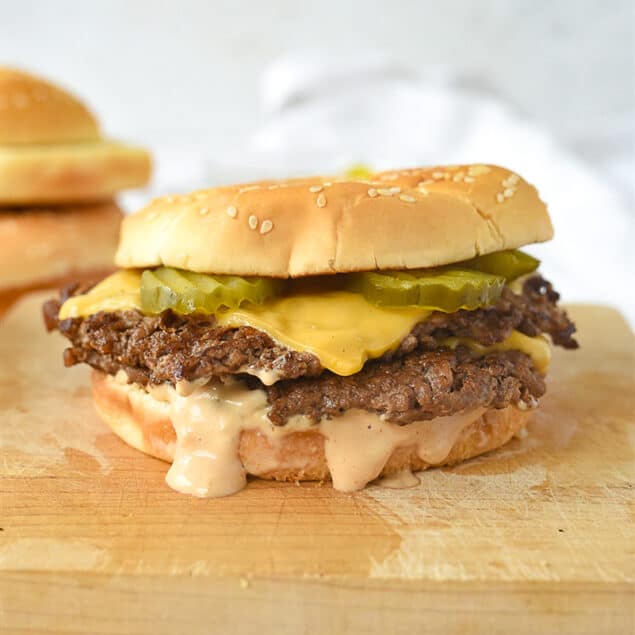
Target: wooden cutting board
538, 537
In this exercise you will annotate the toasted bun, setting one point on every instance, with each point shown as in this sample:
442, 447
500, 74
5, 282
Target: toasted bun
34, 111
51, 149
44, 245
145, 425
431, 216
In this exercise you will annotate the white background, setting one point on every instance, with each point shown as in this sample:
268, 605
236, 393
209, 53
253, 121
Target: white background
189, 70
185, 77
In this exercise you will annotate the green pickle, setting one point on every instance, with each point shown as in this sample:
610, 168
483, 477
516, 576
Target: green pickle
511, 264
442, 289
466, 285
185, 292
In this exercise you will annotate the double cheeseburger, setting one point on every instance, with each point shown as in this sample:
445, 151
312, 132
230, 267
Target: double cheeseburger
58, 175
321, 329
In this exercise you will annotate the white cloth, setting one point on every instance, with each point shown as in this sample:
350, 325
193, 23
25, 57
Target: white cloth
324, 114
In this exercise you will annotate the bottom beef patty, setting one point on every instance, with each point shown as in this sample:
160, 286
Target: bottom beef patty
421, 385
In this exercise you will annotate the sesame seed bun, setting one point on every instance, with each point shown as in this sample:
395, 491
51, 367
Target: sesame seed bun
404, 219
41, 246
51, 148
143, 422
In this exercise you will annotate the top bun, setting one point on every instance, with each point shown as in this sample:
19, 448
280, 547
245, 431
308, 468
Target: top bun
33, 110
403, 219
51, 150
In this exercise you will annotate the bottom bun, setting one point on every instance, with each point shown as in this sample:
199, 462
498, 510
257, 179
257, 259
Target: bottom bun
41, 247
144, 423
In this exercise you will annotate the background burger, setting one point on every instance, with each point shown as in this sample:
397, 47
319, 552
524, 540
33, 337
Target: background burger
58, 176
317, 329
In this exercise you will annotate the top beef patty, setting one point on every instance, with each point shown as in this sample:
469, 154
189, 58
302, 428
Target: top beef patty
171, 348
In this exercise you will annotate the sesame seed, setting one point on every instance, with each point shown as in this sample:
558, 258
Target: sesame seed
249, 188
321, 200
458, 177
389, 177
469, 179
266, 226
384, 191
253, 222
423, 190
327, 184
509, 192
477, 170
316, 188
500, 197
232, 211
407, 199
372, 192
395, 190
274, 186
510, 181
437, 175
203, 211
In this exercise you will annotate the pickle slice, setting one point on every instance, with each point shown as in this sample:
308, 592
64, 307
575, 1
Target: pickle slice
511, 264
446, 290
186, 292
358, 171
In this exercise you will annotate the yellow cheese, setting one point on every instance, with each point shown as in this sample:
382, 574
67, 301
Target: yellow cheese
119, 292
537, 348
340, 328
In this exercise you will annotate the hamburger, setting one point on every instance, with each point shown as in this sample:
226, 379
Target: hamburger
58, 176
321, 329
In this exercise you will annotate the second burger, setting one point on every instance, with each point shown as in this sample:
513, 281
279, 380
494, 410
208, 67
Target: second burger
58, 177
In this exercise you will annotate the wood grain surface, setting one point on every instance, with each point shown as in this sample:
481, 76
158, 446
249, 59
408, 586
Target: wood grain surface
535, 538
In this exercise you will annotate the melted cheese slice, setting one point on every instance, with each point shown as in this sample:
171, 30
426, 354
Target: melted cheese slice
120, 291
537, 348
343, 330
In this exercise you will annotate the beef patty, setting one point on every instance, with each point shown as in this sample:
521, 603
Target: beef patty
171, 348
418, 386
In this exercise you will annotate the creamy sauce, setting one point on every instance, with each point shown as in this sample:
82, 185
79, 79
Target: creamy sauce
399, 480
209, 420
359, 443
267, 377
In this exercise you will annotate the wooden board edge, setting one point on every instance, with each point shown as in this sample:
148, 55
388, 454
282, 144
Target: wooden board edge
94, 603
